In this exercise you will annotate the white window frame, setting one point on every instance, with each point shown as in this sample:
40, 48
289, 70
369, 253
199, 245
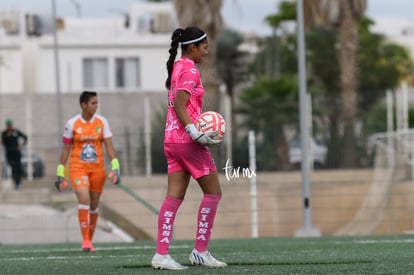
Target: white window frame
95, 72
127, 72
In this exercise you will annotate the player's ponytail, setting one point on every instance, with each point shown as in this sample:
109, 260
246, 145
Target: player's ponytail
175, 40
191, 35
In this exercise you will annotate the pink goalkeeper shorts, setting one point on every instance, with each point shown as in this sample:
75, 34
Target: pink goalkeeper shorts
191, 157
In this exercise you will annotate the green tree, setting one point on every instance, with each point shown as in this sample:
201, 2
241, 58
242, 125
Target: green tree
381, 66
207, 16
285, 60
272, 104
230, 59
231, 63
274, 59
377, 116
377, 59
287, 11
344, 16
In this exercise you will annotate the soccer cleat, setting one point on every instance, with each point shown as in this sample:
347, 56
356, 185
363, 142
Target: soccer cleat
87, 246
165, 262
204, 258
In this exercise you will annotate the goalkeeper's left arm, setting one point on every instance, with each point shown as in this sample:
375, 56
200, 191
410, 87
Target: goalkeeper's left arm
115, 174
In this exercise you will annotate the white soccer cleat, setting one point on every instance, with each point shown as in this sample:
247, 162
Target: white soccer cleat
166, 262
205, 258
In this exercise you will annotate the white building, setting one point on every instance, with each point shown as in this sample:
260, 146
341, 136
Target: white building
400, 31
124, 54
123, 58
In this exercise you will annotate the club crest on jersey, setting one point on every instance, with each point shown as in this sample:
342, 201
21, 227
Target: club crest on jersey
79, 130
88, 153
98, 129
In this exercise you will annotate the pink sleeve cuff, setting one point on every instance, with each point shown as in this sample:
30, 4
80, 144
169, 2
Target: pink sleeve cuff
67, 140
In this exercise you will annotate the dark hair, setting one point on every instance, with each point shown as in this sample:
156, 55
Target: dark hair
182, 35
85, 96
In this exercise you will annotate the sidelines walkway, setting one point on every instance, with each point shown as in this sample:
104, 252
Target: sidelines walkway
29, 216
34, 223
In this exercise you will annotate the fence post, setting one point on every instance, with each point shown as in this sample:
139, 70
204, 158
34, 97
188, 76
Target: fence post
307, 228
253, 188
147, 135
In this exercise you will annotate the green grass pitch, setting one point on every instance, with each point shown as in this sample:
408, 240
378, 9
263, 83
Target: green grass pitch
324, 255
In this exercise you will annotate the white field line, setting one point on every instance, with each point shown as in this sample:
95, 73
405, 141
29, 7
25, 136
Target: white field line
384, 241
69, 257
375, 241
107, 248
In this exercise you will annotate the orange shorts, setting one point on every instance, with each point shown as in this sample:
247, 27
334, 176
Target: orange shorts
94, 181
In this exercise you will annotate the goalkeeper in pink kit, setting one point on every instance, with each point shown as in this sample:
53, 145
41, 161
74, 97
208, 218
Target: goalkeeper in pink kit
186, 150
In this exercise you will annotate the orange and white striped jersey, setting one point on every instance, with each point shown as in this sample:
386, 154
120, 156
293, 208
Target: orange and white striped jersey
86, 138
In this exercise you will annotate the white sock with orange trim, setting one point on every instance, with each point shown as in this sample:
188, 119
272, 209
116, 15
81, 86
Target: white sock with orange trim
93, 218
83, 216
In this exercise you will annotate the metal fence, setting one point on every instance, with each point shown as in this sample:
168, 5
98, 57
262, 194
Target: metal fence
370, 200
138, 157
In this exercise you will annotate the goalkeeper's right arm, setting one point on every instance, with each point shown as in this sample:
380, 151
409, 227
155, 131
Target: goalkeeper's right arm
60, 178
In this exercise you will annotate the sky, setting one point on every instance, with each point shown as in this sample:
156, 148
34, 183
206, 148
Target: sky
246, 15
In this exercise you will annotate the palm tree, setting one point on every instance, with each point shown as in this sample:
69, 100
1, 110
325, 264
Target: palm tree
207, 16
231, 63
272, 104
343, 15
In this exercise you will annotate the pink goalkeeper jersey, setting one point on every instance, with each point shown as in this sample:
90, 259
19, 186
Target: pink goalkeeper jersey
185, 76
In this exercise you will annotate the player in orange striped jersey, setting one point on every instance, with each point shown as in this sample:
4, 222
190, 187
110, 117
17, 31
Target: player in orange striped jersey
82, 144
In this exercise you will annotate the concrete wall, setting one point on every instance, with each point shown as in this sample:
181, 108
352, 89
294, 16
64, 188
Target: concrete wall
36, 116
336, 198
121, 109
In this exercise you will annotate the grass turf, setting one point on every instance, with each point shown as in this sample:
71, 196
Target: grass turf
325, 255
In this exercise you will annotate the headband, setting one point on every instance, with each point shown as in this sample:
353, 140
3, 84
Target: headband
194, 40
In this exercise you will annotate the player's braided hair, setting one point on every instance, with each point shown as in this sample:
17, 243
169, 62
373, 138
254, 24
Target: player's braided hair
185, 36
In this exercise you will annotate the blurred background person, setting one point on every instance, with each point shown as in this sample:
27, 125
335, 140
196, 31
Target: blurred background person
13, 140
83, 138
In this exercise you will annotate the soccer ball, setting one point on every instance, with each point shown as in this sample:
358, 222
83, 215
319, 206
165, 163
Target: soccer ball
211, 122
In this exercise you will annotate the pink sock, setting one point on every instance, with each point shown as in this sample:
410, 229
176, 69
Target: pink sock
206, 214
165, 223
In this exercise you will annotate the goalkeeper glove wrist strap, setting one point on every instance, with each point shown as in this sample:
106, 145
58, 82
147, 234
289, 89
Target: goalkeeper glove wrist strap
60, 171
192, 131
115, 164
